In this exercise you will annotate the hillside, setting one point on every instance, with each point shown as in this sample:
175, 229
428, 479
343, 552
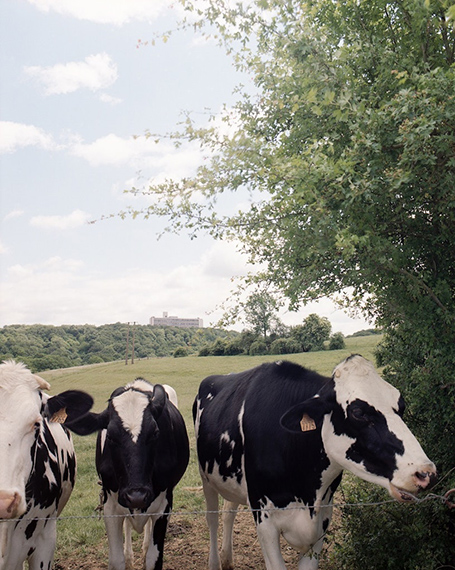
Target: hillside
47, 347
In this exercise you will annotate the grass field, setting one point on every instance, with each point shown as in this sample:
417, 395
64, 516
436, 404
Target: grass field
75, 531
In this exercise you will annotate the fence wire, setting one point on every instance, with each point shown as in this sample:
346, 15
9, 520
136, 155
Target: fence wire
444, 499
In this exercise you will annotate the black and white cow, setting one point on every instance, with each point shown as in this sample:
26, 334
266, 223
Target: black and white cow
278, 437
37, 465
142, 453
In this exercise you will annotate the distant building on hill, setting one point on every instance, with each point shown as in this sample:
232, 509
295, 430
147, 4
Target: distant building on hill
170, 321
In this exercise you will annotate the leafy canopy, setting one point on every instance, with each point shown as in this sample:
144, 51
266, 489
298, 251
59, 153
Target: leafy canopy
346, 150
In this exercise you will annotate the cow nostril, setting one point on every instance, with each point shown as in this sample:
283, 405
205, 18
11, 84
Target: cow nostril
422, 475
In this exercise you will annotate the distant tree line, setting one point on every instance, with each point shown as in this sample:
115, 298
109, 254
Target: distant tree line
46, 347
313, 334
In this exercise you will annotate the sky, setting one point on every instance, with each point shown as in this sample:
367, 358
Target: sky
81, 82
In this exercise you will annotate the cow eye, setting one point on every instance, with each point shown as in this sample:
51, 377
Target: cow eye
112, 437
153, 435
356, 413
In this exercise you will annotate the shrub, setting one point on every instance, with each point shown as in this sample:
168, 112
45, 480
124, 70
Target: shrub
233, 348
204, 350
180, 352
390, 536
258, 347
284, 346
95, 359
336, 341
218, 348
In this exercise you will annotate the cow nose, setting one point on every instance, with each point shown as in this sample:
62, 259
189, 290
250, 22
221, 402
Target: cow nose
137, 498
425, 478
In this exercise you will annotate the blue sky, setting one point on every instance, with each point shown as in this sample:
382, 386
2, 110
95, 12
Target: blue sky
76, 89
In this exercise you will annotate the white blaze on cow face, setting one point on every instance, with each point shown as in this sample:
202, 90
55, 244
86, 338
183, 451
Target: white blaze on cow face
130, 407
145, 386
20, 406
357, 386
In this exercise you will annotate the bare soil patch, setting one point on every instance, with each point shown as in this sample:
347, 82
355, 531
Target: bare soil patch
187, 548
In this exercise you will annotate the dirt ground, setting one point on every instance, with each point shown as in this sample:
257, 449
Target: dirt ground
187, 547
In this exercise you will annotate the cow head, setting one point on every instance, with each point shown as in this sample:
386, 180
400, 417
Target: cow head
23, 420
127, 442
359, 418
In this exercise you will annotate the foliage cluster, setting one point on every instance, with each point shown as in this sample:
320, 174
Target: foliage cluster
370, 529
309, 336
46, 347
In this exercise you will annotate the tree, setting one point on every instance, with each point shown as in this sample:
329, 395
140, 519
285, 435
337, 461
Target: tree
313, 333
260, 313
336, 341
347, 148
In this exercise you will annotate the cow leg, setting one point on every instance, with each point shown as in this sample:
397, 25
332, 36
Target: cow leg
309, 562
128, 545
211, 501
148, 528
269, 539
155, 551
15, 557
228, 525
43, 555
114, 531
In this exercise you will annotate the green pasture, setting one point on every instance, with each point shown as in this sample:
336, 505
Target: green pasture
75, 531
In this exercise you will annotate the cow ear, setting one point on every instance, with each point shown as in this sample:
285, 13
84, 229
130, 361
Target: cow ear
68, 406
158, 400
305, 417
42, 384
89, 423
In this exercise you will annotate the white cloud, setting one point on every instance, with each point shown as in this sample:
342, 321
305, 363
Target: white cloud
96, 72
71, 221
105, 98
140, 152
62, 291
13, 214
223, 259
3, 248
110, 150
17, 135
59, 291
117, 12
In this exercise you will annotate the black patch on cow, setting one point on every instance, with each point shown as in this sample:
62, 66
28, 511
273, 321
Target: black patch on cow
325, 525
45, 453
221, 401
375, 445
30, 529
401, 406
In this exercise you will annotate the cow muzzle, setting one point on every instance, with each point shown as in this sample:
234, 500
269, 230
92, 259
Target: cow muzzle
11, 505
423, 478
139, 498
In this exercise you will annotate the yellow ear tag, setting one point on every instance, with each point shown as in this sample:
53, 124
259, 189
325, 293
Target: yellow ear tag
307, 423
59, 417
